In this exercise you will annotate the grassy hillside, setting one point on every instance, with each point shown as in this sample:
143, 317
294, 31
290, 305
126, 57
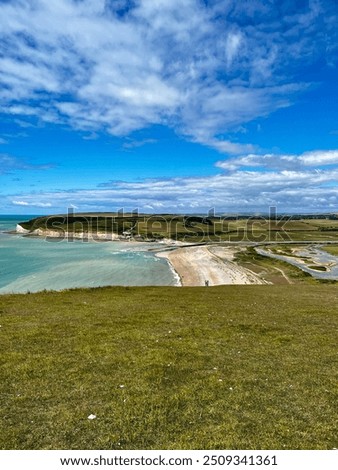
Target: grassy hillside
239, 367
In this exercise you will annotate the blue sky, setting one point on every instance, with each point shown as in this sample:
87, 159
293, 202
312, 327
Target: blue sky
168, 106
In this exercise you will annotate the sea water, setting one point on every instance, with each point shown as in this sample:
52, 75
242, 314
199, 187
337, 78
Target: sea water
34, 264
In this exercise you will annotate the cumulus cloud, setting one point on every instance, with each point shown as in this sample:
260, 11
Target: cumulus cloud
120, 66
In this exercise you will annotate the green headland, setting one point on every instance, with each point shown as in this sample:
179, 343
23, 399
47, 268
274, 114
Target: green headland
193, 229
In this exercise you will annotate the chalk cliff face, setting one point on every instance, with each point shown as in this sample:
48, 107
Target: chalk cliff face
20, 229
73, 235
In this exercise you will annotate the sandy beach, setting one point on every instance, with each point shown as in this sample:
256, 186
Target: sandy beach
197, 264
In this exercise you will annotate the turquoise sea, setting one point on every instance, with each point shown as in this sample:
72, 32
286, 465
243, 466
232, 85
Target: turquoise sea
33, 264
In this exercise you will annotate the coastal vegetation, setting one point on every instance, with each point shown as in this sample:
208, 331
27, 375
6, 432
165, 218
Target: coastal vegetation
272, 270
333, 250
227, 367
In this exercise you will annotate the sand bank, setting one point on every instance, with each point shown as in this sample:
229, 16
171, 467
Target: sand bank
198, 264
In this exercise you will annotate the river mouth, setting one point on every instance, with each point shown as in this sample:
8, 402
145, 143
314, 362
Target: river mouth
312, 259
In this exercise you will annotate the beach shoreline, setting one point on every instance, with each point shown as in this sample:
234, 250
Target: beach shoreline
208, 265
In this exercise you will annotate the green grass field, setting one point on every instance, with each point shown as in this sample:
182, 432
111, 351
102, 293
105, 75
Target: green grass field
333, 250
230, 367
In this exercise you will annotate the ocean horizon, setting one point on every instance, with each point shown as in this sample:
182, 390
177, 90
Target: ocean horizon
32, 264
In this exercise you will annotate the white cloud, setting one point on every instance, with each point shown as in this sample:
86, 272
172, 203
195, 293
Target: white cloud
294, 183
20, 203
225, 146
319, 158
265, 162
122, 66
34, 204
293, 190
232, 45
